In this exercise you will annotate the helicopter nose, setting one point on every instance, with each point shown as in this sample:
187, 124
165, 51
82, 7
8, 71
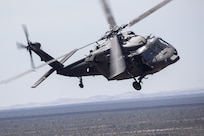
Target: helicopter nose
167, 57
174, 58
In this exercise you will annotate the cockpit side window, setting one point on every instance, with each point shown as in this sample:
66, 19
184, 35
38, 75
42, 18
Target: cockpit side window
148, 55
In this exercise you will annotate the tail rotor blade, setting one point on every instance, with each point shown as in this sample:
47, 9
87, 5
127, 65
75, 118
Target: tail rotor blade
28, 47
26, 33
20, 46
31, 60
65, 58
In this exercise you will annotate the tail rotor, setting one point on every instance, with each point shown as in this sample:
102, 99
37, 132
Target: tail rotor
28, 47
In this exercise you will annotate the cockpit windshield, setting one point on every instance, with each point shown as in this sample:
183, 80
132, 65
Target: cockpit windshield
156, 46
162, 44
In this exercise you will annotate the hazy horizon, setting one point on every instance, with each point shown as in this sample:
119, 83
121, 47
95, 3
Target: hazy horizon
108, 98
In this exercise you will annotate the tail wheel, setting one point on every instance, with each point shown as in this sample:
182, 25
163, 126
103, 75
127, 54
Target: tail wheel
81, 85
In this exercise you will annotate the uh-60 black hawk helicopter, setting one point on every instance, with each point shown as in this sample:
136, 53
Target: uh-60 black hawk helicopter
118, 55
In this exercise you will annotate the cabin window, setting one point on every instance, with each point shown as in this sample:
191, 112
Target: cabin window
149, 55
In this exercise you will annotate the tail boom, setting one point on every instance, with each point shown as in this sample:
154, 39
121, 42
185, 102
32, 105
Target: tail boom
46, 57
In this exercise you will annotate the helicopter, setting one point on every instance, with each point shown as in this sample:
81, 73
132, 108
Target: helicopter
117, 55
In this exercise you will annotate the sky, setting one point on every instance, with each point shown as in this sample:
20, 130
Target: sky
63, 25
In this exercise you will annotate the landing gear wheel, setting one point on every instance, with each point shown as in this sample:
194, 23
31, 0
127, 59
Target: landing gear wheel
137, 85
81, 85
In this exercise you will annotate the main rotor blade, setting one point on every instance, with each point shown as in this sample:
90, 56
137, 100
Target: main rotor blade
108, 13
66, 57
26, 33
117, 62
147, 13
31, 70
47, 74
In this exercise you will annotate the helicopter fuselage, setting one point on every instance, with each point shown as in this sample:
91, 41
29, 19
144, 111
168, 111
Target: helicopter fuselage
142, 55
122, 55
